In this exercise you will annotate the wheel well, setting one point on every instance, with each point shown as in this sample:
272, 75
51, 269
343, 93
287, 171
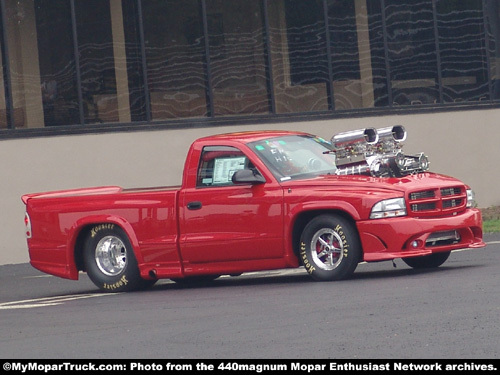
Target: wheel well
306, 217
79, 246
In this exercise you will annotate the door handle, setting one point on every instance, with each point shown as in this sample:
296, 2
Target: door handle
196, 205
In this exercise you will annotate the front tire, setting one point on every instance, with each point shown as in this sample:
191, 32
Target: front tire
330, 248
110, 261
427, 261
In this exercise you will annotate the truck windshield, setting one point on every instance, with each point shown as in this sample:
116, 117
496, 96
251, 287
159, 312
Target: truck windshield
296, 156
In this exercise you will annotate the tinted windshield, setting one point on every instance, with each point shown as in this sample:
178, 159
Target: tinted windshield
296, 156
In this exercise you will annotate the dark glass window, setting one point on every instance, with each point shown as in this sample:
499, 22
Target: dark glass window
374, 60
56, 58
97, 60
237, 57
21, 37
133, 51
3, 104
103, 61
141, 60
299, 55
462, 50
412, 52
492, 13
306, 42
344, 49
175, 54
357, 48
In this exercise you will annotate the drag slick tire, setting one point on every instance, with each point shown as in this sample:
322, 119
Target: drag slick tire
427, 261
110, 261
330, 248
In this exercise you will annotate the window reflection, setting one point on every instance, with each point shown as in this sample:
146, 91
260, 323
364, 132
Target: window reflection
97, 61
492, 13
346, 45
463, 56
412, 52
3, 104
175, 54
57, 62
374, 62
141, 60
133, 51
237, 57
23, 61
298, 52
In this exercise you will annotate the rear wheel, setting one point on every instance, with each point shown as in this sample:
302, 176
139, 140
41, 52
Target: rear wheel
330, 248
110, 261
427, 261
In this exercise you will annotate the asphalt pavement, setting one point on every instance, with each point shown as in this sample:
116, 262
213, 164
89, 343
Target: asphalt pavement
381, 312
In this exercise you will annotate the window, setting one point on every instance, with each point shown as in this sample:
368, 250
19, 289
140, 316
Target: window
298, 52
345, 46
133, 51
237, 57
412, 52
462, 50
218, 164
492, 13
78, 62
57, 62
3, 104
374, 60
175, 56
97, 38
24, 64
296, 157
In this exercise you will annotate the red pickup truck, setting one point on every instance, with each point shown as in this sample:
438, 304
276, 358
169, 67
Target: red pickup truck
258, 201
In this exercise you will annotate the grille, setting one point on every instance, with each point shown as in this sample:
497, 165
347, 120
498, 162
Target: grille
450, 191
452, 203
418, 207
431, 202
422, 195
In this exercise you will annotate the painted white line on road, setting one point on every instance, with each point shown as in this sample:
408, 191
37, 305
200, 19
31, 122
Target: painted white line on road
37, 277
48, 301
493, 243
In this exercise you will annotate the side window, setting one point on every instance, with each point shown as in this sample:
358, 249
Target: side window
218, 164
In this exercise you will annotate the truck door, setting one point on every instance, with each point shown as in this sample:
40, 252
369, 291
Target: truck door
220, 221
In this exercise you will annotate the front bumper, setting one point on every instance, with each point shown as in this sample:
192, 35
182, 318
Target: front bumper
385, 239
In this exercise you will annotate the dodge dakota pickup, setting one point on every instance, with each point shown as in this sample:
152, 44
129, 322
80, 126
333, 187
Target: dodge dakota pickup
256, 201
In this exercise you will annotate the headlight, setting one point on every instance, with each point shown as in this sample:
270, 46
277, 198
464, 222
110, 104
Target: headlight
389, 208
471, 198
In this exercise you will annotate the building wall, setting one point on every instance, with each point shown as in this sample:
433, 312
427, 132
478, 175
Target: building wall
463, 144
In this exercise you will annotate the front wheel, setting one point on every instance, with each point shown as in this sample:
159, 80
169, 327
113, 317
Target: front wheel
110, 261
427, 261
330, 248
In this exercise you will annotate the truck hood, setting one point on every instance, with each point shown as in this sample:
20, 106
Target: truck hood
410, 183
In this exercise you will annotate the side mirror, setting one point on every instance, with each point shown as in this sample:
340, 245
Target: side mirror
247, 176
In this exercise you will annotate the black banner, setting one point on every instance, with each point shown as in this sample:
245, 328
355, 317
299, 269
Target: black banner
249, 366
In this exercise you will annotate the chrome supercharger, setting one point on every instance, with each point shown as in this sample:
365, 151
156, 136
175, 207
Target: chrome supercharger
376, 152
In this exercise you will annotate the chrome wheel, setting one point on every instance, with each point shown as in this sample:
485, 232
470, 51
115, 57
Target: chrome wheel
327, 249
111, 255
